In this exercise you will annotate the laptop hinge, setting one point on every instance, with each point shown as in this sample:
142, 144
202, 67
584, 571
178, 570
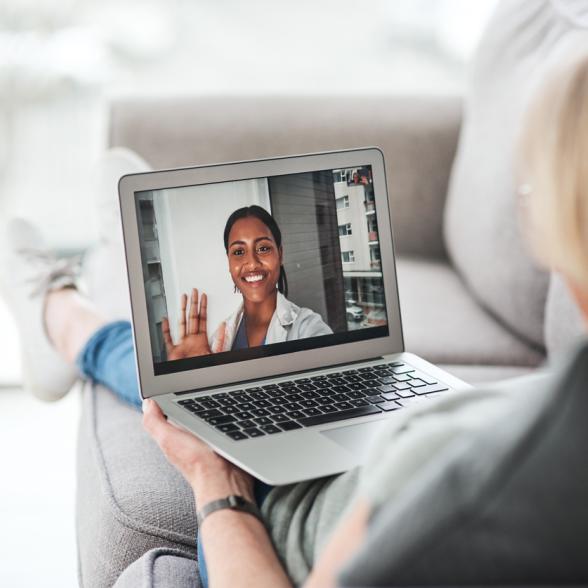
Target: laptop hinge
284, 375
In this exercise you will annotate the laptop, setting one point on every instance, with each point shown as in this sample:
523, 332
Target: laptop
265, 309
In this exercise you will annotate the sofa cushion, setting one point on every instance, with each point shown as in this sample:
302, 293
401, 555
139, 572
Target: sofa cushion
502, 506
129, 498
523, 40
564, 324
161, 568
444, 324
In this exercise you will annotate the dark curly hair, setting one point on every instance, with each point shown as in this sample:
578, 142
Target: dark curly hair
268, 220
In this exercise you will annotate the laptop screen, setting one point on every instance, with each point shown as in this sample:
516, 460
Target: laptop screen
259, 267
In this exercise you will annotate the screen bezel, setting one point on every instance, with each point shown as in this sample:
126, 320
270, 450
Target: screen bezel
296, 361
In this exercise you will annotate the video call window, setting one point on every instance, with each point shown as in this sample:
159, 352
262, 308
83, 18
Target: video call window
219, 258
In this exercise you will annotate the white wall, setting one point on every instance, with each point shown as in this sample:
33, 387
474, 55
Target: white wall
191, 223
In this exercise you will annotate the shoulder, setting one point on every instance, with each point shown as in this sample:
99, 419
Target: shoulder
310, 323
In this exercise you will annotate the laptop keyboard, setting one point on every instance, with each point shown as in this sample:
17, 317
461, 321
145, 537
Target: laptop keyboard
317, 400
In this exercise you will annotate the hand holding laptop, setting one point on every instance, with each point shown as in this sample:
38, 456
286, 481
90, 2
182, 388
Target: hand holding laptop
193, 337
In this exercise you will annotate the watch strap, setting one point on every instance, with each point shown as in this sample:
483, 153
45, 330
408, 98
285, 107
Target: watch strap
234, 502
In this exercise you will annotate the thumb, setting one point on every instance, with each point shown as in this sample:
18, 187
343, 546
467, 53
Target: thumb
220, 341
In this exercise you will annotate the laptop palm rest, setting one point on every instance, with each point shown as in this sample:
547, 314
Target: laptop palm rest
356, 439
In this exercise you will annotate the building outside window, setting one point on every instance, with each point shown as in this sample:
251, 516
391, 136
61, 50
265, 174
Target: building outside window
345, 230
347, 256
343, 202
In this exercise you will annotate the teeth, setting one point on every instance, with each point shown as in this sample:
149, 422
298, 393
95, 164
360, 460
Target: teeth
256, 278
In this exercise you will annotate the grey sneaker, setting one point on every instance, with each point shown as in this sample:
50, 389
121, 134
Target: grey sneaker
27, 272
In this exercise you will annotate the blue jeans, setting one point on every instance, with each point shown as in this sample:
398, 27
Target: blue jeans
108, 358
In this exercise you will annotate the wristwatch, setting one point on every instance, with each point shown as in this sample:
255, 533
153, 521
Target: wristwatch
234, 502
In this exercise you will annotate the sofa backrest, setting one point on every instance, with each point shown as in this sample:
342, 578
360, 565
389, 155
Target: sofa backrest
417, 135
522, 42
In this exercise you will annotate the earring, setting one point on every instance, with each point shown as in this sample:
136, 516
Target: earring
236, 290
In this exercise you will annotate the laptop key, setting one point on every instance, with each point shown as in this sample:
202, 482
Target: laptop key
311, 411
360, 402
208, 414
401, 369
385, 388
228, 427
263, 421
292, 406
288, 425
246, 424
230, 409
254, 389
295, 414
403, 377
390, 395
415, 383
405, 393
220, 420
424, 377
430, 389
401, 386
339, 397
375, 399
339, 416
270, 387
193, 407
187, 401
254, 432
237, 435
324, 400
328, 409
344, 405
243, 415
275, 409
385, 380
270, 429
390, 405
260, 412
371, 383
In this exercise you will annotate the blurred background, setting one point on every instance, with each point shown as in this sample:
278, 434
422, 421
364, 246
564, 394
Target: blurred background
60, 63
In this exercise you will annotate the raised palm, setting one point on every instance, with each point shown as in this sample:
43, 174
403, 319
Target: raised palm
192, 335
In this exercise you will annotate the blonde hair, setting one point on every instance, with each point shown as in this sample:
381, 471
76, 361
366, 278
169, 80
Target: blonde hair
554, 157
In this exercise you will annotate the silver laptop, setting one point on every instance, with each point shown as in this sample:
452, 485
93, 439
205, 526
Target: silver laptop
265, 309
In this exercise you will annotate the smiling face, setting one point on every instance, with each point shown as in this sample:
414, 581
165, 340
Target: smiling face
254, 259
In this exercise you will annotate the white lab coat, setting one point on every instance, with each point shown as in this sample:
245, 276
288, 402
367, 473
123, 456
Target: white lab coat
289, 322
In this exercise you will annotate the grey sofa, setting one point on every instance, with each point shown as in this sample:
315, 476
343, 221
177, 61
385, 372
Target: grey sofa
471, 298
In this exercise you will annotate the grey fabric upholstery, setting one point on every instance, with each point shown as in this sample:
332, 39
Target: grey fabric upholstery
417, 134
164, 568
521, 42
564, 324
129, 498
517, 516
437, 308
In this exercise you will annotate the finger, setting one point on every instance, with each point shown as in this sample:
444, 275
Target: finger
183, 304
193, 318
169, 344
153, 421
220, 342
202, 313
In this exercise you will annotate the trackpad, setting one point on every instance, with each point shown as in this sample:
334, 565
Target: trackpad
356, 439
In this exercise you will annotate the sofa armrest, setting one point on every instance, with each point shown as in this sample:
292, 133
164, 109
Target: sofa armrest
418, 136
161, 568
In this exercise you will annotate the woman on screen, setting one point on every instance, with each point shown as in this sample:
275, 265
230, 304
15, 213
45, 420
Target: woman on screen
253, 243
